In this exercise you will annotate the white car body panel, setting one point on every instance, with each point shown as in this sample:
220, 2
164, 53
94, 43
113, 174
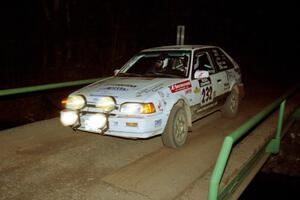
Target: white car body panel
162, 92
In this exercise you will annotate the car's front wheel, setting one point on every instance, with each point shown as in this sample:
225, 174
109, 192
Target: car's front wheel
176, 130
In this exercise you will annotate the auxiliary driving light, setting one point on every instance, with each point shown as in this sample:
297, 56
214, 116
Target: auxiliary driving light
75, 102
106, 103
68, 117
96, 121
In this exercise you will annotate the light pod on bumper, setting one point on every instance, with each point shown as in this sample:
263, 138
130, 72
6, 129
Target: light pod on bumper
106, 103
68, 117
75, 102
96, 122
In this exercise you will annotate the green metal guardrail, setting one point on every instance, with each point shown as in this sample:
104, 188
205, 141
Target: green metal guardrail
272, 147
13, 91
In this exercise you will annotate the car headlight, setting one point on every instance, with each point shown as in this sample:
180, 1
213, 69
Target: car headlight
106, 103
75, 102
137, 108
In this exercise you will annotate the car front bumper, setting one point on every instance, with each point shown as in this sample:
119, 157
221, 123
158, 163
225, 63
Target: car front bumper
142, 126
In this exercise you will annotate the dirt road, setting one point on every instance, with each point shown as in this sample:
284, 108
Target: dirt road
45, 160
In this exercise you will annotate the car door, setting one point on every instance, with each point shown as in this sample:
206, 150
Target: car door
204, 89
225, 70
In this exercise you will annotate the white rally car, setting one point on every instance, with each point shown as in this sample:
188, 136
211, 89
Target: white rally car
159, 91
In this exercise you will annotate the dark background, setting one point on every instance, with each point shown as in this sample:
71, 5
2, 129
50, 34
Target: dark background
47, 41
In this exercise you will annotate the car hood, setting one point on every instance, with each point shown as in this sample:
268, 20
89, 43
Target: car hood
126, 88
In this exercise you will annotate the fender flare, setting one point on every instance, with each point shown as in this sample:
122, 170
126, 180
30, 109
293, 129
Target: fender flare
185, 103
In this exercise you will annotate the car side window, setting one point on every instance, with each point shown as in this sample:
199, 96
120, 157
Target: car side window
221, 60
202, 61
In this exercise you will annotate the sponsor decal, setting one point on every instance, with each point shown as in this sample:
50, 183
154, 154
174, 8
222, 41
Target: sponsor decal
189, 91
180, 86
147, 90
123, 85
115, 88
157, 123
159, 106
161, 94
96, 97
196, 90
206, 94
204, 82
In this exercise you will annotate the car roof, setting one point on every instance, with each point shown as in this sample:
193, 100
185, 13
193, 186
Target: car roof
179, 47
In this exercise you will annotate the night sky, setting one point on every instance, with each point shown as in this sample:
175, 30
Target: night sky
47, 41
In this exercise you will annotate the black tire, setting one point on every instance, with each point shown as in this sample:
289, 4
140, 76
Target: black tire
231, 106
176, 130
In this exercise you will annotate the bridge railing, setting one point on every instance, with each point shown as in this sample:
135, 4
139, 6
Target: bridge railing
36, 88
229, 141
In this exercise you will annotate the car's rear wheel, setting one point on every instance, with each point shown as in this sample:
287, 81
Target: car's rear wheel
176, 131
231, 106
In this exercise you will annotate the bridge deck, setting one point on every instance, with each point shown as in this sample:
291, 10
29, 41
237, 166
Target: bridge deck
44, 160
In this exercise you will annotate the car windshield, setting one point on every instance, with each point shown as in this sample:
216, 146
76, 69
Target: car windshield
171, 64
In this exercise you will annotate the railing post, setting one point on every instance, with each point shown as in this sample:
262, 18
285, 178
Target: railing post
274, 145
219, 168
280, 119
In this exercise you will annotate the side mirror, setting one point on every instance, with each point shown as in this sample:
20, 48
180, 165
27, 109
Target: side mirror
199, 74
116, 71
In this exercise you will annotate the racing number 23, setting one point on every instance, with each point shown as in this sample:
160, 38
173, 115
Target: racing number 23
206, 94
